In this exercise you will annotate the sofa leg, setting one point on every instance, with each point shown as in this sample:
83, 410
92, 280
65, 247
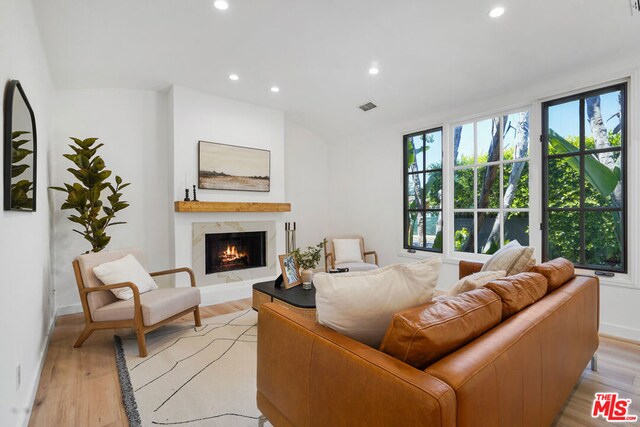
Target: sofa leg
142, 343
261, 420
196, 316
594, 363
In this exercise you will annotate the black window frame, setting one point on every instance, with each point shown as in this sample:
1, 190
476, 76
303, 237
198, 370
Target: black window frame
582, 152
424, 210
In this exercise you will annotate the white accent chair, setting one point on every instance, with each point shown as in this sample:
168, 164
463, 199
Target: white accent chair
144, 312
348, 252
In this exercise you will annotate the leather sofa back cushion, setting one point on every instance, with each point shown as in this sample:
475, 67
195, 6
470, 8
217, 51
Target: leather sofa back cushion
422, 335
557, 272
518, 291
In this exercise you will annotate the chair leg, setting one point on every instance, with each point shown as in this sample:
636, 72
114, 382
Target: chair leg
594, 363
196, 316
83, 336
142, 343
261, 420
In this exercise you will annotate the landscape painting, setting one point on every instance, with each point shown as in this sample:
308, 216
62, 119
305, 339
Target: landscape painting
229, 167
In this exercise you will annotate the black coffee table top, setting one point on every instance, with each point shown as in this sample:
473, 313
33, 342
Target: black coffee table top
295, 296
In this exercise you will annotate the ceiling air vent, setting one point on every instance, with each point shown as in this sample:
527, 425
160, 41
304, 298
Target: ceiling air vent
368, 106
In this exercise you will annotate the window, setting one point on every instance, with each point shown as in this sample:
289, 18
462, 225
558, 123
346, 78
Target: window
491, 183
584, 197
423, 190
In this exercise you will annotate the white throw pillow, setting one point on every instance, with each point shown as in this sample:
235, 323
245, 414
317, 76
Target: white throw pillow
347, 250
512, 258
361, 305
125, 269
475, 281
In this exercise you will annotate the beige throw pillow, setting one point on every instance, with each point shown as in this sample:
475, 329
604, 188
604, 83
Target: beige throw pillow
361, 305
475, 281
347, 250
125, 269
512, 258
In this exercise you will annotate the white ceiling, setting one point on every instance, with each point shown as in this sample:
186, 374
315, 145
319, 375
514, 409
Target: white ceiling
432, 54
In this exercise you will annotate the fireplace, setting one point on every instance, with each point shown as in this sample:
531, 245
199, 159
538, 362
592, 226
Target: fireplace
235, 251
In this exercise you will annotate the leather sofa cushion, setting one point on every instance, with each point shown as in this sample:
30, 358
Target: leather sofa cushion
557, 272
518, 291
422, 335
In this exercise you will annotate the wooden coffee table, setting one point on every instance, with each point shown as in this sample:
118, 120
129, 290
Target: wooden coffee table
295, 299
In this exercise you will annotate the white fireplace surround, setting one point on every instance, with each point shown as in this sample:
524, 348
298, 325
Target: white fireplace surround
201, 229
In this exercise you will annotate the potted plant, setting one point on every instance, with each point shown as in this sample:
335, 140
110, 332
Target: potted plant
91, 213
308, 260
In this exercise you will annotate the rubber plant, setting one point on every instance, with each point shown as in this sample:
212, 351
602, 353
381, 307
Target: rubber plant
85, 197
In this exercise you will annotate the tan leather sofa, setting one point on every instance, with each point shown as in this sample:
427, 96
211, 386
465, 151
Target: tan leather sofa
519, 373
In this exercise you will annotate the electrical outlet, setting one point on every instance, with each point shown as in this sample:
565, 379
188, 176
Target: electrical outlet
18, 377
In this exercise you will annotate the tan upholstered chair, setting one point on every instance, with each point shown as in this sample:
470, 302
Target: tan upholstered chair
144, 312
331, 263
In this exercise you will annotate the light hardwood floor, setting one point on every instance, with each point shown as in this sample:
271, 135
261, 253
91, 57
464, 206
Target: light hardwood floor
79, 387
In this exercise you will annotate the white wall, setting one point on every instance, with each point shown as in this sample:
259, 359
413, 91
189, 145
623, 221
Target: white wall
133, 127
201, 116
26, 308
307, 184
366, 181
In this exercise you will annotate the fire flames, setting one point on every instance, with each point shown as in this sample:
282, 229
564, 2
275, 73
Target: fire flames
231, 255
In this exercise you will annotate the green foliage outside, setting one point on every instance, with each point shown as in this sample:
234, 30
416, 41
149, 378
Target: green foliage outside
85, 196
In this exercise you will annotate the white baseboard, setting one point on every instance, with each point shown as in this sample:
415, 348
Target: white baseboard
620, 331
35, 381
69, 309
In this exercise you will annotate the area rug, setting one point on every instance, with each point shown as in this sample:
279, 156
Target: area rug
203, 376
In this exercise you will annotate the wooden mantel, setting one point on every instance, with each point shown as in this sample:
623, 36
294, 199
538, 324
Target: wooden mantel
231, 207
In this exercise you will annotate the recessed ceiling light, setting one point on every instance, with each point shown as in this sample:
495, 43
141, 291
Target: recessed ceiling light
234, 77
374, 70
275, 89
221, 5
496, 12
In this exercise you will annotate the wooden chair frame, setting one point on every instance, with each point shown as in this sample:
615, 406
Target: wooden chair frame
329, 258
137, 323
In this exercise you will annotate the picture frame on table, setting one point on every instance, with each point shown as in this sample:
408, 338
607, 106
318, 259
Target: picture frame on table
290, 271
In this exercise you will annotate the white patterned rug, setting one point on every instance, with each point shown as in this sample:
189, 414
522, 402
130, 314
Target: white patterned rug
202, 376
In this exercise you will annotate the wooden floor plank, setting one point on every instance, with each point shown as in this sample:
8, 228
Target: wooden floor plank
80, 386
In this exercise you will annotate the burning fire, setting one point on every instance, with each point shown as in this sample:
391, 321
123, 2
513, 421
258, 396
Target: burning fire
231, 255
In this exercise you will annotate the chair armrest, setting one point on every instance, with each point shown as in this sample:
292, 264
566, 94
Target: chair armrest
466, 268
137, 312
192, 276
321, 382
327, 264
375, 255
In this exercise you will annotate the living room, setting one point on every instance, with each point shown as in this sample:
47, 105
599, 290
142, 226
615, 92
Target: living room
152, 79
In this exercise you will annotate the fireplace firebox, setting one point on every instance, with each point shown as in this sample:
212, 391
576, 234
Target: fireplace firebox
235, 251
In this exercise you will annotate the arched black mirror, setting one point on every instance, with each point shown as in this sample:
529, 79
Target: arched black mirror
19, 150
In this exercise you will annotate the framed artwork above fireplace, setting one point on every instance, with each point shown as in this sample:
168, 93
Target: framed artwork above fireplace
230, 167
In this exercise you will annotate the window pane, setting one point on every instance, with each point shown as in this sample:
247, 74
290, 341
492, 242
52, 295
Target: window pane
516, 227
488, 232
434, 150
415, 156
602, 186
433, 227
489, 187
463, 189
415, 226
488, 140
516, 185
463, 232
515, 138
564, 235
433, 190
414, 190
463, 144
563, 181
602, 245
602, 120
564, 127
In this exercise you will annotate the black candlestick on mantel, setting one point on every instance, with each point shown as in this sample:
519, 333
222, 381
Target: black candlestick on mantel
186, 195
195, 199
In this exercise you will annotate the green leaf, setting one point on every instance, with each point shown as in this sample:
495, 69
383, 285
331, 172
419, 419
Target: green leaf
19, 143
17, 133
601, 177
17, 170
411, 154
19, 154
118, 180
